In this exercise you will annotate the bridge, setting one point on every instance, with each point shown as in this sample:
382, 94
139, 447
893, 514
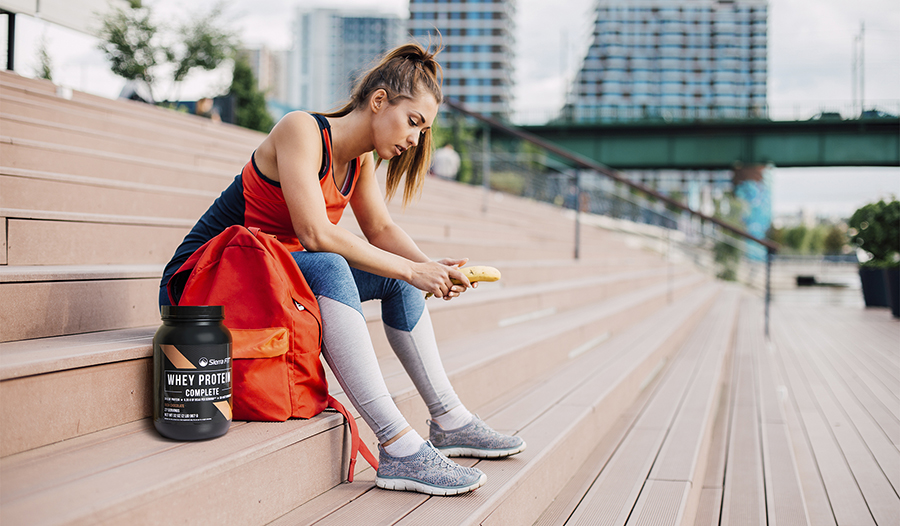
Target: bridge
724, 145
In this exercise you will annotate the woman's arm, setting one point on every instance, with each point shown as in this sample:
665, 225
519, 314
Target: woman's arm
296, 144
379, 228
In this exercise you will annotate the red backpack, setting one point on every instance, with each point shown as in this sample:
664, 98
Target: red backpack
275, 326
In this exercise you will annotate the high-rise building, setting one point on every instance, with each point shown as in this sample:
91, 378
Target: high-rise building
478, 41
687, 59
270, 69
330, 50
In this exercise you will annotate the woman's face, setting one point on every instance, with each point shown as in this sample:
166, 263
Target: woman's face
397, 127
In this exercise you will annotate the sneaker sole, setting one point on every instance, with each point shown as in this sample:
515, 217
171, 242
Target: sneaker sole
402, 484
480, 453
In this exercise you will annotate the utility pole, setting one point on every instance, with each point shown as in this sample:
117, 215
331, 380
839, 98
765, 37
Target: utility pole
858, 67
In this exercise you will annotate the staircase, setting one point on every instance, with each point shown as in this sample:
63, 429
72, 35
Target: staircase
612, 367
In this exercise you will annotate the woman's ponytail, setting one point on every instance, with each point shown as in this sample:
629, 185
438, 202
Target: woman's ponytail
402, 73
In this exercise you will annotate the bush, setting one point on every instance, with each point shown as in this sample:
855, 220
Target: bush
875, 228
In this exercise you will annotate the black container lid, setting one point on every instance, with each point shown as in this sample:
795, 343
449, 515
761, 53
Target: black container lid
192, 312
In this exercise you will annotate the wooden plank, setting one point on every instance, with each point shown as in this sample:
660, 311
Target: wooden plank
684, 454
36, 155
62, 407
64, 196
4, 227
661, 502
880, 496
39, 310
570, 496
846, 499
71, 243
709, 508
188, 475
46, 355
743, 500
815, 496
616, 490
227, 157
861, 410
558, 440
785, 503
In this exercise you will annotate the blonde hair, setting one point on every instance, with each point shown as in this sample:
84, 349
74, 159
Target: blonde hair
402, 73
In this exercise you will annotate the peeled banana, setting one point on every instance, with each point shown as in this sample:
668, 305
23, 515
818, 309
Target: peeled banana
476, 273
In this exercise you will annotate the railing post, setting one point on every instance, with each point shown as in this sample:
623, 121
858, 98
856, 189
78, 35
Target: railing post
768, 286
486, 167
577, 216
10, 40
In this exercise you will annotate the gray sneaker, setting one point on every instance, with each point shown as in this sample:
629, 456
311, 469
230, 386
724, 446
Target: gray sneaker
427, 471
475, 439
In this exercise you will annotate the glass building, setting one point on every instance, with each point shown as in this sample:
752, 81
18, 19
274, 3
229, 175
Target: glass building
331, 49
686, 59
478, 49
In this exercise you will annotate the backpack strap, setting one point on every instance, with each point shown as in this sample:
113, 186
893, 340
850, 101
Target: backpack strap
356, 445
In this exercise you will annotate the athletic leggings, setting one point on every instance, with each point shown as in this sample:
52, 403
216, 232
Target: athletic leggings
348, 348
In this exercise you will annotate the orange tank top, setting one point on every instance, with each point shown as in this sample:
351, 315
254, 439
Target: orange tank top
264, 204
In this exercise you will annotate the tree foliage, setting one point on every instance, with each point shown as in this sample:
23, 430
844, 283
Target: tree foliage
875, 228
249, 101
45, 64
136, 48
130, 42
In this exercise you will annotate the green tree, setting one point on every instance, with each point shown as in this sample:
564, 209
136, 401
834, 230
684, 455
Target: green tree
834, 241
794, 238
45, 64
130, 43
203, 44
135, 46
249, 101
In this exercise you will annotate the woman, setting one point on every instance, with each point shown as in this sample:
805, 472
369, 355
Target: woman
295, 187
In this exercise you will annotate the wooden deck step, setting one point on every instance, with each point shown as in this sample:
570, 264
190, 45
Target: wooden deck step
46, 365
654, 473
844, 425
84, 298
80, 136
88, 467
116, 115
560, 414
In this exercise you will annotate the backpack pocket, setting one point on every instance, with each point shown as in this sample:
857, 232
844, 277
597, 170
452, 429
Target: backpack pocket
261, 389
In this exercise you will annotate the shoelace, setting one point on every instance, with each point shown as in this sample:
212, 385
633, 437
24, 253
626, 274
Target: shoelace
438, 459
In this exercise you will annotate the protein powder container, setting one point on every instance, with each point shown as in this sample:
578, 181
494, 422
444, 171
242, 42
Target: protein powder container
192, 373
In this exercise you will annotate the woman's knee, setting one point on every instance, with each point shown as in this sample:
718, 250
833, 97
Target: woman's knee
328, 274
403, 306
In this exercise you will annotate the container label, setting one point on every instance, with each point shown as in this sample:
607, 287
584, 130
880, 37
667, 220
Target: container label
196, 383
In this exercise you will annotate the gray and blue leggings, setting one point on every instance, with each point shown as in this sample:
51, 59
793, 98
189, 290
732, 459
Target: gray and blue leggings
348, 348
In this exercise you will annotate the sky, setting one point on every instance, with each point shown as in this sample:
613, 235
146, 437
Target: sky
810, 45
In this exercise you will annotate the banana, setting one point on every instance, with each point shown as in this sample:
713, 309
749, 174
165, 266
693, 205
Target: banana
476, 273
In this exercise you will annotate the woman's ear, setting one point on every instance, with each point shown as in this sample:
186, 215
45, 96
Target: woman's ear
378, 100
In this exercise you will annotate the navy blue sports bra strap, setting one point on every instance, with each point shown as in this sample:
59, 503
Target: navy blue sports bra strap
324, 127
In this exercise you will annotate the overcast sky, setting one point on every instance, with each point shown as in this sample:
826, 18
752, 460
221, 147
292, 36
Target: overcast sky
810, 45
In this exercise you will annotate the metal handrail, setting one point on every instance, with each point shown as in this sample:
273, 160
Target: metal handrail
581, 161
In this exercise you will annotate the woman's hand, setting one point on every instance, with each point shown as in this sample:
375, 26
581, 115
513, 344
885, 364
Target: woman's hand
435, 277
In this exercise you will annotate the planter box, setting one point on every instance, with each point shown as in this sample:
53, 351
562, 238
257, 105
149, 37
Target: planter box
874, 287
892, 277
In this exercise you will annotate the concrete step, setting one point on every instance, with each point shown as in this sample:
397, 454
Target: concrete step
128, 473
560, 413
